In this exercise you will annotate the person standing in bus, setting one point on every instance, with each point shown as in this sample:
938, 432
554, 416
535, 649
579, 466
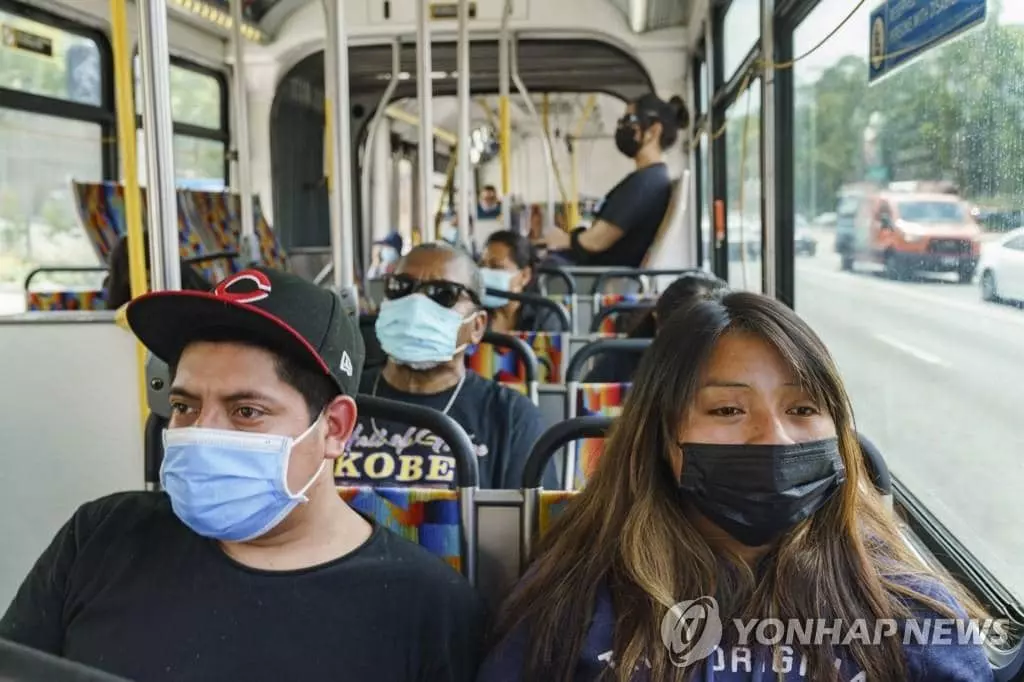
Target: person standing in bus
248, 566
632, 212
431, 314
507, 265
489, 207
733, 487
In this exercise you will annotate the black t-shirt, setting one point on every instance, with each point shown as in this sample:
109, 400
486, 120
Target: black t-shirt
636, 205
502, 424
126, 588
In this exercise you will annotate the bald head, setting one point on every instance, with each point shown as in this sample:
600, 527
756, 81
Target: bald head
442, 261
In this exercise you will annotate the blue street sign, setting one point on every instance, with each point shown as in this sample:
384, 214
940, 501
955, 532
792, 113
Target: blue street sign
901, 30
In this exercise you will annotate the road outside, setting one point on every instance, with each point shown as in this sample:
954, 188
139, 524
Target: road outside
936, 378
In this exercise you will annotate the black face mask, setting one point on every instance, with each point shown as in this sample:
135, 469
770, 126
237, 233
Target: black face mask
757, 492
625, 140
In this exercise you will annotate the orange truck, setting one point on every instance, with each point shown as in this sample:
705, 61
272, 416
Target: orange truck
914, 227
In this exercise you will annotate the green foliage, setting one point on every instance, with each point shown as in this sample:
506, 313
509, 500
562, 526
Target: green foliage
957, 114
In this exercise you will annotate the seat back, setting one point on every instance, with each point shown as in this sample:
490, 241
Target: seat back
595, 400
506, 359
658, 254
611, 320
428, 517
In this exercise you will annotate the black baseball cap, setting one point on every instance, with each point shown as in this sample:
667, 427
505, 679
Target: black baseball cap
269, 307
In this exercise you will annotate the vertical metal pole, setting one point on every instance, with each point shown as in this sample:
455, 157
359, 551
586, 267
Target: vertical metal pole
505, 115
462, 146
768, 231
249, 248
550, 175
155, 59
425, 99
342, 228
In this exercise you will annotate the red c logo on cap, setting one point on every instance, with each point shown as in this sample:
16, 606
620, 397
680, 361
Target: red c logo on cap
261, 292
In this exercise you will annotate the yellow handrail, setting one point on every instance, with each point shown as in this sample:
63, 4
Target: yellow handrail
129, 172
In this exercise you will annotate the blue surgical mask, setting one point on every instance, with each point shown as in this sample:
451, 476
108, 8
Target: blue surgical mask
450, 234
388, 255
496, 279
230, 485
418, 332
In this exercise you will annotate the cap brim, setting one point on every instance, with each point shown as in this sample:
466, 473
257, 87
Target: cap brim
167, 321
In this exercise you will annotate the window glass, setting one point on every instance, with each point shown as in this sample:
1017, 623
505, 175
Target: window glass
39, 222
198, 163
196, 98
742, 31
44, 60
743, 165
934, 371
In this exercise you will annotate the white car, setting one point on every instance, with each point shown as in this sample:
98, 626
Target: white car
1002, 268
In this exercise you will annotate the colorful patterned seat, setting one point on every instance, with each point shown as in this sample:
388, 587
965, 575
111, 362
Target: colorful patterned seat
219, 213
548, 348
595, 399
101, 210
36, 301
427, 516
500, 364
550, 505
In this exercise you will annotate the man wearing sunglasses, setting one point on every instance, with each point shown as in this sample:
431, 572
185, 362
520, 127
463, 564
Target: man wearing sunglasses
431, 314
630, 215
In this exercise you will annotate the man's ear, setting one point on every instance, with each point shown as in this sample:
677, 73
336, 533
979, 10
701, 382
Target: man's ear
478, 327
341, 416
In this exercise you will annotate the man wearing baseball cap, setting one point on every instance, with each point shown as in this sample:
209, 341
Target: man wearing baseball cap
249, 565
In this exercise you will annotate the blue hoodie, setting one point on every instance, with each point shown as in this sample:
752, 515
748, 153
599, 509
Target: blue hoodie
935, 663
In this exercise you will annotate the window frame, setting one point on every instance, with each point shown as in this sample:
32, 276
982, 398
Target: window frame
104, 114
221, 134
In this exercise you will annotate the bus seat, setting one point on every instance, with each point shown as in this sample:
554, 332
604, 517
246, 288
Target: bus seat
508, 360
601, 400
610, 320
93, 202
541, 508
672, 220
36, 301
596, 400
428, 517
218, 216
550, 505
548, 348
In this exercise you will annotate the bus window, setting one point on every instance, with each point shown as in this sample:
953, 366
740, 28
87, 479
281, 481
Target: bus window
52, 127
743, 220
742, 30
198, 108
934, 371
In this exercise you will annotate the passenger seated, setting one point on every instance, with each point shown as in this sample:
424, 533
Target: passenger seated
632, 212
431, 313
619, 367
734, 478
117, 284
507, 264
250, 566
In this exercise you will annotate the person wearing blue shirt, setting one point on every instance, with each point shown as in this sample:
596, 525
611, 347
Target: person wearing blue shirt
732, 488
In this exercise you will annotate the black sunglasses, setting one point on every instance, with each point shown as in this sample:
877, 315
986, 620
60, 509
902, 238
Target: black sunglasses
440, 291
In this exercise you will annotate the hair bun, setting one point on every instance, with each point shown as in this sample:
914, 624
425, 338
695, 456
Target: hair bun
680, 112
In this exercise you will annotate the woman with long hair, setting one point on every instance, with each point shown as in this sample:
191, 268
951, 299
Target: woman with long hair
507, 264
693, 286
732, 480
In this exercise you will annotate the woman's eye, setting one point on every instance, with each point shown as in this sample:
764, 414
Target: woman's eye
806, 411
728, 411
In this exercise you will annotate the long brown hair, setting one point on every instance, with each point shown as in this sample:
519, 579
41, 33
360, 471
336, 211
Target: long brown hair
627, 530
